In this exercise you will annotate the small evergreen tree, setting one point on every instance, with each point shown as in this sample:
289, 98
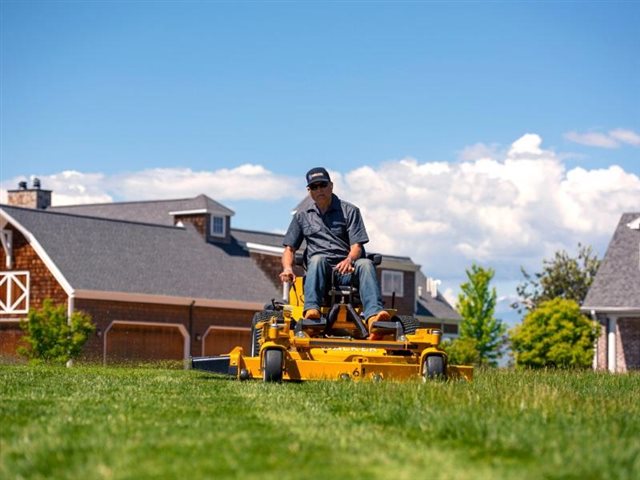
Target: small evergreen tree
555, 334
53, 339
476, 305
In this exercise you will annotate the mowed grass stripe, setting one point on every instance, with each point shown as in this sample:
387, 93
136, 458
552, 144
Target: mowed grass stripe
127, 423
330, 430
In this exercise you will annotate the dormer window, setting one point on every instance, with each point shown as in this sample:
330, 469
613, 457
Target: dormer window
218, 225
392, 282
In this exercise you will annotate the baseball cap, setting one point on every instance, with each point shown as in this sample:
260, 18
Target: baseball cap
317, 174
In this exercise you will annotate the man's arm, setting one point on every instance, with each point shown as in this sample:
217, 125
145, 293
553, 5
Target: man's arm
346, 265
288, 257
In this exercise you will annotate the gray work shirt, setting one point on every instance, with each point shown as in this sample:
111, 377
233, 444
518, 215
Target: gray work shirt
331, 234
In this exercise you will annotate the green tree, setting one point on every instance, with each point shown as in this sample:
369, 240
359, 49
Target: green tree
51, 338
476, 305
561, 277
555, 334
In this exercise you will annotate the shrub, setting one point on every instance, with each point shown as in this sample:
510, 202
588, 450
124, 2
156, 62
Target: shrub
53, 339
555, 334
462, 351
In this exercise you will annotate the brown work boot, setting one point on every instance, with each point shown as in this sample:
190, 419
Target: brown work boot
312, 314
382, 316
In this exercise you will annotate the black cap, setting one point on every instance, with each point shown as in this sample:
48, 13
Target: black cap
317, 174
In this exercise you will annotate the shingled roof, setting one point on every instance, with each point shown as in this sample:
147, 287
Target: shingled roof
110, 255
617, 283
155, 211
437, 307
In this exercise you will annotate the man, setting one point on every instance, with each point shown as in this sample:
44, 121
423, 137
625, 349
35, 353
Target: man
334, 232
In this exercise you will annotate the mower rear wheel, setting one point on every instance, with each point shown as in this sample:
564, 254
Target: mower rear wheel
433, 368
272, 369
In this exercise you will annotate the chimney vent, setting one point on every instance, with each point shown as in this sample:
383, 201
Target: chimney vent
30, 197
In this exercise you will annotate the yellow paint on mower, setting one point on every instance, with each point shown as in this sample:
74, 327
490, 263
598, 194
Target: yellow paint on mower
292, 354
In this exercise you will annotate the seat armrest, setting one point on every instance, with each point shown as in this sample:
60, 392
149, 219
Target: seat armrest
376, 258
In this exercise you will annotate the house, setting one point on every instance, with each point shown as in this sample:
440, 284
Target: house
614, 299
164, 279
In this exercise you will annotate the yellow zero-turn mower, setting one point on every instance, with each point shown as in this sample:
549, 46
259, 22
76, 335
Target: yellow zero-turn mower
286, 346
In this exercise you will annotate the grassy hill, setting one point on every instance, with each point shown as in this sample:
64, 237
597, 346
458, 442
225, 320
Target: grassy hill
122, 423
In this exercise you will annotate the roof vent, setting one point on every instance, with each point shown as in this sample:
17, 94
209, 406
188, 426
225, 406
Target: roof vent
36, 183
22, 185
635, 225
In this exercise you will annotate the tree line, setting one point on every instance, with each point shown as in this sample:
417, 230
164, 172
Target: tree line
553, 332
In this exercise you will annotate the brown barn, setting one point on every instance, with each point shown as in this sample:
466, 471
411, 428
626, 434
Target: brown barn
165, 279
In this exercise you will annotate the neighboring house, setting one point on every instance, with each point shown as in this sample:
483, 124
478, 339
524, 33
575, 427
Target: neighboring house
614, 299
164, 279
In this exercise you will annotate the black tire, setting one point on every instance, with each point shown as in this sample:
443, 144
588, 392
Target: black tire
272, 370
433, 368
256, 333
409, 324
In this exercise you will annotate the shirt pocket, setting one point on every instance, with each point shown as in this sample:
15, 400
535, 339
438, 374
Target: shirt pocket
310, 227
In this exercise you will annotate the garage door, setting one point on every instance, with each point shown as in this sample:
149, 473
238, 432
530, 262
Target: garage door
221, 340
135, 342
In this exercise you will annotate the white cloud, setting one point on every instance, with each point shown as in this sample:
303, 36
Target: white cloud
505, 211
247, 182
612, 139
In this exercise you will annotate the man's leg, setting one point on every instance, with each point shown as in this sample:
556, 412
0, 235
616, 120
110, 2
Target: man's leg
315, 283
370, 295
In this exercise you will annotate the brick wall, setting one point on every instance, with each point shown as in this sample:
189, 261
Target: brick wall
42, 285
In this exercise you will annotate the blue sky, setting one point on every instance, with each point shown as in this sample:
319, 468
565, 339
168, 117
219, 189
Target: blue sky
420, 110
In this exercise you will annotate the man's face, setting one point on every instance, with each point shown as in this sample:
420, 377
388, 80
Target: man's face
321, 192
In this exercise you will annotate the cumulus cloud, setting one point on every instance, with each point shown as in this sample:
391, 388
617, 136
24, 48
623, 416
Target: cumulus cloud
612, 139
246, 182
507, 210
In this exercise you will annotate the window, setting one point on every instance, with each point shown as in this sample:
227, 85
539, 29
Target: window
450, 328
14, 292
392, 282
217, 226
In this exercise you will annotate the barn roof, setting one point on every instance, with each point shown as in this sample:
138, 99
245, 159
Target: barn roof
113, 255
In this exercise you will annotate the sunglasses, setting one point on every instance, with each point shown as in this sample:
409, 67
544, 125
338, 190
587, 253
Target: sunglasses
315, 186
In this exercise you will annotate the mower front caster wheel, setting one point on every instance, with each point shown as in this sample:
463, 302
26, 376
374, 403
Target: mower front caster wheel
272, 369
433, 368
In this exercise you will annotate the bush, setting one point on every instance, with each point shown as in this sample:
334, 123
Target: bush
555, 334
462, 351
51, 338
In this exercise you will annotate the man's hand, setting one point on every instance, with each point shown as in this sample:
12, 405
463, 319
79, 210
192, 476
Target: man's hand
287, 275
345, 266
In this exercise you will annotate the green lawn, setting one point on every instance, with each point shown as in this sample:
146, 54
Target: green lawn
125, 423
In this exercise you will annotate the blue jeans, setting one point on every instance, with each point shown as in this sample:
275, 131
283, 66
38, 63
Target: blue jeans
318, 274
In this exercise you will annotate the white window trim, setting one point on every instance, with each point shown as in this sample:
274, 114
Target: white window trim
6, 237
390, 276
8, 304
224, 226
